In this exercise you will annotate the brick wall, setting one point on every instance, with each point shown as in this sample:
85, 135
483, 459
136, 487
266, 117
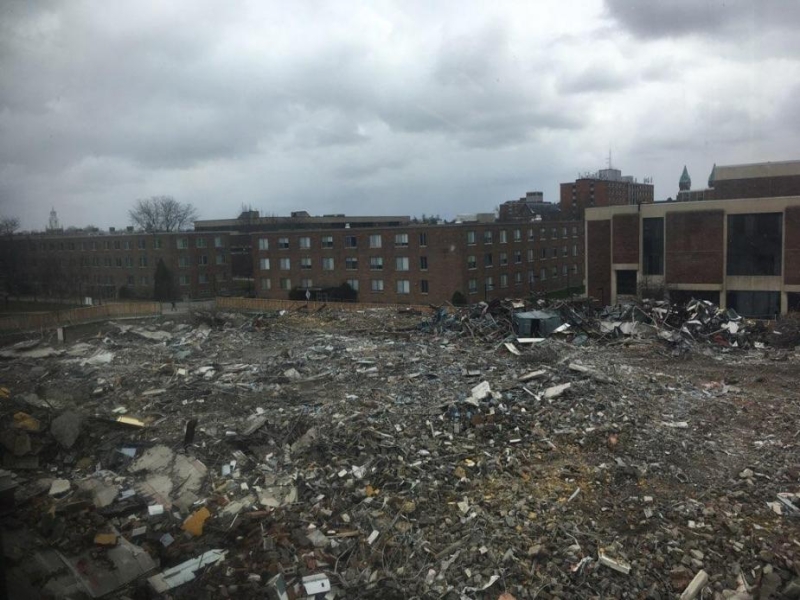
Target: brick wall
626, 239
695, 247
599, 260
791, 236
761, 187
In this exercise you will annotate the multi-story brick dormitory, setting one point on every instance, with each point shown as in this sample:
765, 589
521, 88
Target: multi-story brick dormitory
421, 264
740, 251
115, 264
385, 259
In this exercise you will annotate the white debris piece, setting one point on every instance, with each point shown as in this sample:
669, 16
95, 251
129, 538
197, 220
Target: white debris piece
184, 572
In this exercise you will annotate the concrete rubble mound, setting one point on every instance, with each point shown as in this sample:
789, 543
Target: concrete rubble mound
501, 451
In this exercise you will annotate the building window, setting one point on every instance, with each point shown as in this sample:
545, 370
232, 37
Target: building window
266, 284
503, 280
376, 263
554, 252
376, 285
306, 283
564, 231
285, 264
517, 257
423, 263
652, 246
518, 278
327, 264
472, 286
543, 233
471, 238
327, 241
517, 235
574, 231
503, 259
157, 244
202, 260
350, 241
488, 284
353, 283
141, 243
756, 304
554, 272
116, 245
283, 243
487, 259
263, 243
423, 239
503, 236
143, 260
183, 243
543, 253
487, 236
472, 262
530, 254
530, 235
304, 242
574, 249
564, 270
118, 261
423, 286
574, 269
218, 241
754, 245
401, 240
126, 245
183, 279
131, 280
263, 264
543, 274
305, 263
401, 263
375, 240
565, 251
202, 278
351, 263
200, 242
286, 283
403, 286
531, 277
129, 261
220, 259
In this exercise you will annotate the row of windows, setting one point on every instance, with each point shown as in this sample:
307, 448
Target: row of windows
350, 241
401, 263
140, 244
488, 283
128, 261
488, 235
202, 278
488, 258
402, 286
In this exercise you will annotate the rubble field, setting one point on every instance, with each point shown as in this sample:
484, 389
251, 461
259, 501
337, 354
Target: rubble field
380, 454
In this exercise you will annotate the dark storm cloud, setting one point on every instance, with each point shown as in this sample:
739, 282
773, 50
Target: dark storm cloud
679, 18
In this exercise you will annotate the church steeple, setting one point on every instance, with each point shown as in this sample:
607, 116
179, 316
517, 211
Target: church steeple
685, 183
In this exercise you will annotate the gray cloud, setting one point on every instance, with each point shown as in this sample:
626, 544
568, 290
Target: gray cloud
388, 107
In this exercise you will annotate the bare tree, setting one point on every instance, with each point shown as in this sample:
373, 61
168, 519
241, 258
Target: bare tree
161, 213
8, 225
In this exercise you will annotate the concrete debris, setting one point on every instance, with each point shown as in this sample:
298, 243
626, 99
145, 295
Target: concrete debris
644, 451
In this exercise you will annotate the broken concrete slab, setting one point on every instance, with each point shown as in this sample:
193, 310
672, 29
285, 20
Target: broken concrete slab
66, 428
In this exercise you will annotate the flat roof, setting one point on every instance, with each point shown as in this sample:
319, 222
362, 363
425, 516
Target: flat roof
757, 170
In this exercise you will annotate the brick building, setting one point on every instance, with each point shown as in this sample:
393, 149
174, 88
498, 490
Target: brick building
739, 253
607, 187
418, 264
757, 180
113, 265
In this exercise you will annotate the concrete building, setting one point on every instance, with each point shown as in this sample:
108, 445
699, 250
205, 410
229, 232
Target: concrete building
740, 252
607, 187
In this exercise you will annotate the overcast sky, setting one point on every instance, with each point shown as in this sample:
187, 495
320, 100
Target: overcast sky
380, 107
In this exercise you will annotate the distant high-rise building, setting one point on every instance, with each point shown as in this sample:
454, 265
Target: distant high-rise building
607, 187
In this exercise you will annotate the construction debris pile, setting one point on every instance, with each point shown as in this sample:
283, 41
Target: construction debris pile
350, 455
683, 326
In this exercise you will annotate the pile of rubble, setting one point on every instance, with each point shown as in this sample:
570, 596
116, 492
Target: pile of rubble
349, 455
